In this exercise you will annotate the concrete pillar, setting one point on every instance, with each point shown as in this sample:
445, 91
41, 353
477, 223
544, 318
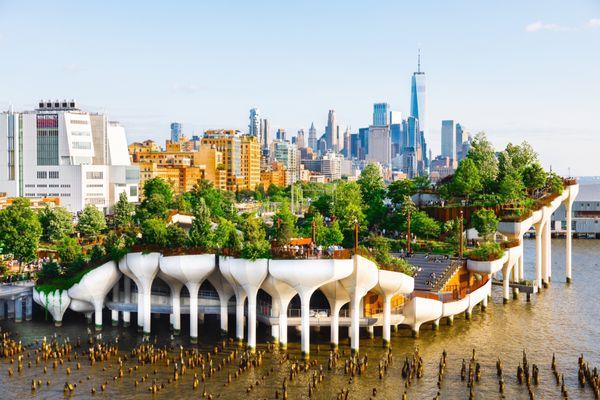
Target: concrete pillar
114, 314
274, 311
98, 306
252, 320
240, 299
505, 284
28, 308
371, 331
544, 250
521, 266
283, 328
355, 322
335, 326
140, 309
538, 254
450, 320
18, 309
193, 288
176, 309
147, 310
548, 250
2, 310
436, 325
224, 313
568, 240
126, 299
10, 309
305, 324
387, 317
484, 303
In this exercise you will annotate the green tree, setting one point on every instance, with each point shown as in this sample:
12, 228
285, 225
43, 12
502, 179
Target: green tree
219, 202
483, 155
69, 251
554, 183
154, 232
329, 236
398, 190
511, 187
91, 222
56, 223
123, 213
115, 245
422, 225
422, 182
20, 231
466, 181
284, 224
227, 236
158, 199
177, 237
534, 177
515, 158
255, 244
485, 221
348, 209
201, 233
372, 189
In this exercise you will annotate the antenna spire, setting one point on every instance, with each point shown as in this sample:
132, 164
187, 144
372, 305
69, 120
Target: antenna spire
419, 61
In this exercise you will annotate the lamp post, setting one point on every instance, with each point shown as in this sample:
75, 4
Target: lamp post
355, 236
408, 232
460, 240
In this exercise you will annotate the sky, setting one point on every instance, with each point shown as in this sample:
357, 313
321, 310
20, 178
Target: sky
518, 70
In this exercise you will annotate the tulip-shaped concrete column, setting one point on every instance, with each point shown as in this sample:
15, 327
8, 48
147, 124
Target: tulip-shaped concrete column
539, 248
55, 302
142, 268
175, 289
391, 283
281, 294
94, 286
364, 277
573, 191
306, 277
225, 291
191, 270
246, 277
337, 297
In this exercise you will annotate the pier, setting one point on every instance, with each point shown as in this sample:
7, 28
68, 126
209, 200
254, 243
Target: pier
16, 300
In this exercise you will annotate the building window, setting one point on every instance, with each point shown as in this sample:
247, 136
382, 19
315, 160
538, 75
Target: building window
47, 139
42, 175
82, 145
133, 191
94, 175
53, 174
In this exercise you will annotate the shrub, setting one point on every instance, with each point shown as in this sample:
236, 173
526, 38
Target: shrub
176, 236
488, 251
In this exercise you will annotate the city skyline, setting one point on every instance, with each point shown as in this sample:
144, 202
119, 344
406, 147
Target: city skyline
536, 83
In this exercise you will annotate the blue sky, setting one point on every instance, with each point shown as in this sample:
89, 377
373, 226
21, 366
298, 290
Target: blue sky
519, 70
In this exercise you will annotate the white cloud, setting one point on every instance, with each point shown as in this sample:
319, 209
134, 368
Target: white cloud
540, 26
594, 23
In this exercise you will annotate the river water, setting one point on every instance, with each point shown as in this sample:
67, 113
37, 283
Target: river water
563, 319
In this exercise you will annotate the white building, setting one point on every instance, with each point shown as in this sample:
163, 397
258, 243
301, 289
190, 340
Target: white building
286, 153
60, 151
331, 166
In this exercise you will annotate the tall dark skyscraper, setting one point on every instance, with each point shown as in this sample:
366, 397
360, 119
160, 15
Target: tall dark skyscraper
264, 133
417, 96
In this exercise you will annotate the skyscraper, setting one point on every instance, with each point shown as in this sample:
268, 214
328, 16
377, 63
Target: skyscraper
380, 114
264, 133
312, 137
346, 150
176, 133
300, 139
254, 125
380, 145
449, 139
331, 132
417, 97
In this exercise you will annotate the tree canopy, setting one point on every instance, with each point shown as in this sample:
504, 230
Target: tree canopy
20, 231
91, 222
56, 223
